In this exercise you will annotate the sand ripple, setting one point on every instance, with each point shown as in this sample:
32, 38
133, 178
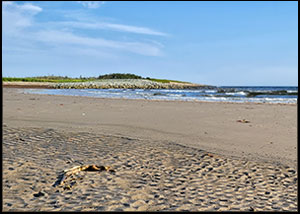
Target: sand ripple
151, 176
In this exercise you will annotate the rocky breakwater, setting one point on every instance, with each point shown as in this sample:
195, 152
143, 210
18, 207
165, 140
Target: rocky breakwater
129, 84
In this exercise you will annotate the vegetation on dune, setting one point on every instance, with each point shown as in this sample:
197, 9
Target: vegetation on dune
34, 79
60, 79
164, 80
51, 78
119, 76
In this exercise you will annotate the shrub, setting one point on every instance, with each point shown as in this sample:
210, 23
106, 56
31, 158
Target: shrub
119, 76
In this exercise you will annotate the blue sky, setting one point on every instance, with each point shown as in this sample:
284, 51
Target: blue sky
216, 43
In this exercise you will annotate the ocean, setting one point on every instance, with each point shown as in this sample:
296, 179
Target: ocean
237, 94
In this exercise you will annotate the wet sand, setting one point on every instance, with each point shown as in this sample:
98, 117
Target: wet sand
28, 84
167, 155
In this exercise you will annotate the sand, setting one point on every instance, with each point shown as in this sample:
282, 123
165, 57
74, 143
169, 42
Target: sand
168, 155
28, 84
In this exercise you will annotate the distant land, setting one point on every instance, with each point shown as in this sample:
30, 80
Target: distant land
114, 80
57, 79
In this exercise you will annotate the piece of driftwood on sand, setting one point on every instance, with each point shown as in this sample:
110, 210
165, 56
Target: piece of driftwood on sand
76, 169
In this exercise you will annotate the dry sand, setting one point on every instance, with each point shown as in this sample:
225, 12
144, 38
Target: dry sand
167, 155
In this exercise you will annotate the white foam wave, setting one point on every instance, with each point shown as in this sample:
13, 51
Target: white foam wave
236, 93
148, 94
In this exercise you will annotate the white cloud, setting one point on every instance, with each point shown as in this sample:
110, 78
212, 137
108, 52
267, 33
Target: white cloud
110, 26
91, 4
6, 3
16, 17
63, 38
133, 29
25, 8
30, 8
22, 30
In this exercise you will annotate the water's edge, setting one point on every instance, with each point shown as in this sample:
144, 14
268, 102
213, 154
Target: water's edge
239, 94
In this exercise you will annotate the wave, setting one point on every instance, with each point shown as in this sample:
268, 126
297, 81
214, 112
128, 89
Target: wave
228, 95
242, 93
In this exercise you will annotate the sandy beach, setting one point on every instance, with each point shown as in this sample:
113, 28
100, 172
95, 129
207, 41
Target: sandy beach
167, 155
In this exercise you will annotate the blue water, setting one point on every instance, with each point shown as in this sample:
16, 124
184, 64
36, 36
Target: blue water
240, 94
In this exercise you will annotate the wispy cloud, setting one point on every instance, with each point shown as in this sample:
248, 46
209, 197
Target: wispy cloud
16, 17
64, 38
132, 29
91, 4
22, 29
26, 8
110, 26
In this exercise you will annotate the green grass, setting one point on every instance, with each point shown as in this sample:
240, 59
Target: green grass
61, 79
165, 81
119, 76
38, 79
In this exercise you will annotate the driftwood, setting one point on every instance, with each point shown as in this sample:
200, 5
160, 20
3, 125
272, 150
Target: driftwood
69, 172
243, 121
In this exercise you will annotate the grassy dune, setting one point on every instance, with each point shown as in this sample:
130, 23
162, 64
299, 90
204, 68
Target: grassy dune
39, 79
60, 79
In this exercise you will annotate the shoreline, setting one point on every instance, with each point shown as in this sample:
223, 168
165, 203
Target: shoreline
167, 156
161, 100
106, 84
171, 120
28, 85
164, 100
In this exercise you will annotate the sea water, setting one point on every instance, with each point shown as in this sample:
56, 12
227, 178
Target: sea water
240, 94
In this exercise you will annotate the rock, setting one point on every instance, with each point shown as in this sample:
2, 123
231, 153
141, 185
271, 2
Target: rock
143, 208
129, 83
126, 205
138, 203
38, 194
